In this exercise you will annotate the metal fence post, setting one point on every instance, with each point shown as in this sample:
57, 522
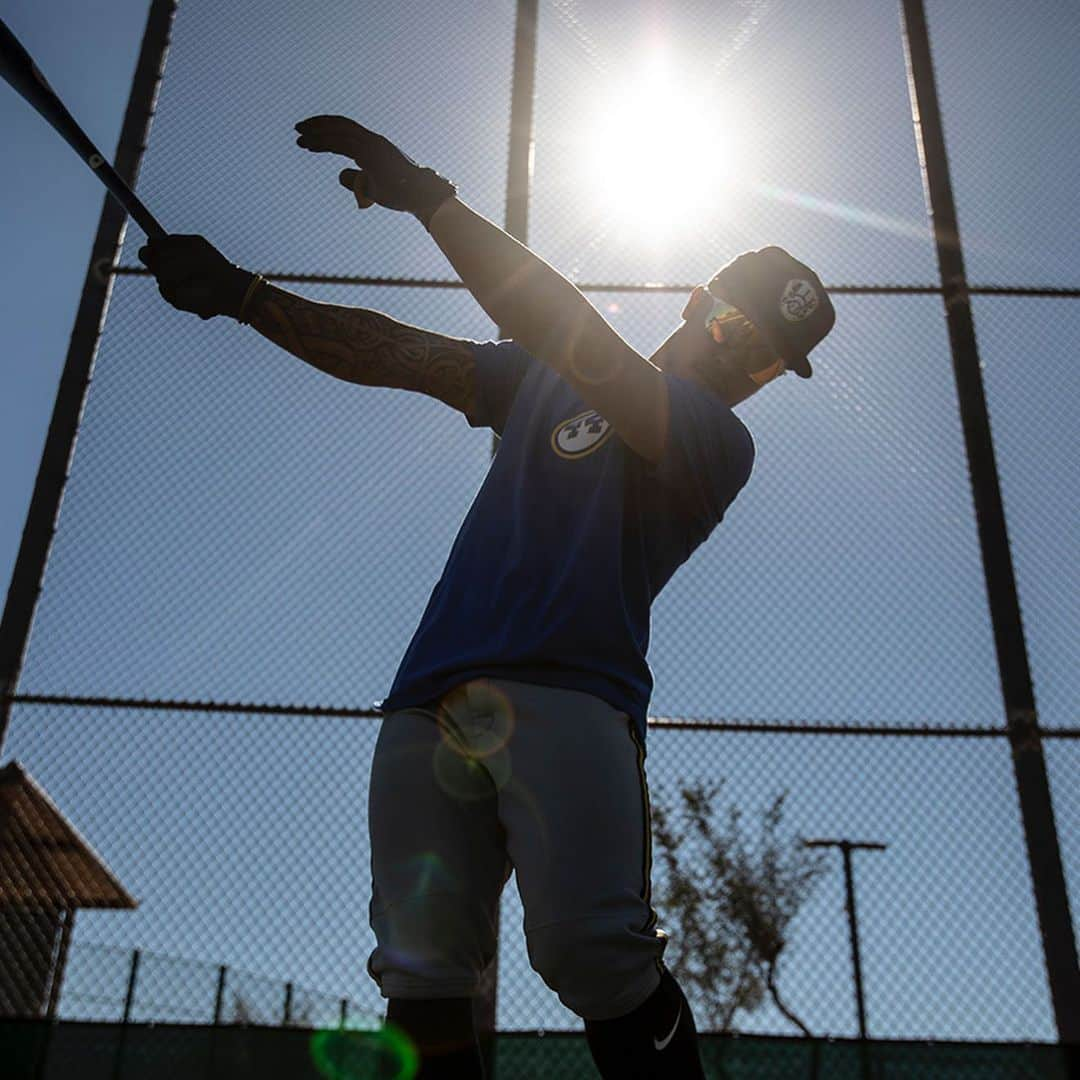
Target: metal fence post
518, 192
286, 1015
60, 963
133, 976
846, 847
519, 166
129, 1001
219, 1004
56, 983
219, 997
52, 472
1029, 764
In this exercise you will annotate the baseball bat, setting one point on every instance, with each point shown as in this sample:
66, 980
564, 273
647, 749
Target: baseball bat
19, 69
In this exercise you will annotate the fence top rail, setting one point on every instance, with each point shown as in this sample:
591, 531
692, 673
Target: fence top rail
629, 287
672, 722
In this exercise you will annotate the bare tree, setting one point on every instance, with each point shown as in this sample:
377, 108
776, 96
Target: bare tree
242, 1011
303, 1016
731, 904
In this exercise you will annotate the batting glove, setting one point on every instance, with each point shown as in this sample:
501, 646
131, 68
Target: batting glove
194, 276
386, 176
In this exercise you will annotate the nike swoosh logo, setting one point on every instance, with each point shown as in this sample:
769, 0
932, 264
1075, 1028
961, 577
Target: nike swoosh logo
660, 1044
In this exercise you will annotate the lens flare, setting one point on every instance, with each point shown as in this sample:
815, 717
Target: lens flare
431, 874
460, 775
363, 1050
472, 759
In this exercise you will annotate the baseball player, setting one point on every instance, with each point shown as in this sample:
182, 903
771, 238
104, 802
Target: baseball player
513, 737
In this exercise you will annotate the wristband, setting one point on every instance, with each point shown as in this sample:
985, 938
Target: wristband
253, 287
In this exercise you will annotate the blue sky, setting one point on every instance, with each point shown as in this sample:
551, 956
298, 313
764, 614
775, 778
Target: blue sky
48, 215
239, 527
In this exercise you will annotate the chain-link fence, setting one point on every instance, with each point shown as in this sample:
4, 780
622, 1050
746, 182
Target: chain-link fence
246, 545
105, 984
137, 1014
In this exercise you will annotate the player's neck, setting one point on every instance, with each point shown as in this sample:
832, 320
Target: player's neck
683, 358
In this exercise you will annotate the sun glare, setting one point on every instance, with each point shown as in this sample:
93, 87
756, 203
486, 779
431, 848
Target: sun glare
657, 154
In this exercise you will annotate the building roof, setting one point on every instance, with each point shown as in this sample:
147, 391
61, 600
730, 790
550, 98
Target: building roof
44, 861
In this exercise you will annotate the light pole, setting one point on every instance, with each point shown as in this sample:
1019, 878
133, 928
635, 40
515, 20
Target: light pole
846, 847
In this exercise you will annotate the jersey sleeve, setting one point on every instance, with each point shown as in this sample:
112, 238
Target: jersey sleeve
709, 453
500, 368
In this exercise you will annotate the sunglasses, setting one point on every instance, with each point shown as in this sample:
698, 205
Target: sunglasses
715, 316
721, 312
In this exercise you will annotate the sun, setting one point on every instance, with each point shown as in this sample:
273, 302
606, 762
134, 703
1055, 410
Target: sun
656, 153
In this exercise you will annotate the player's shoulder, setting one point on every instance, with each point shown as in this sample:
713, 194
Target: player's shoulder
710, 429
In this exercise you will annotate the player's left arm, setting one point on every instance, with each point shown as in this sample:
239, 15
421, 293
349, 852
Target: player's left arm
552, 319
525, 296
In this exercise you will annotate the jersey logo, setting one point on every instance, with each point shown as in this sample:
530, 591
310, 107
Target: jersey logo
580, 435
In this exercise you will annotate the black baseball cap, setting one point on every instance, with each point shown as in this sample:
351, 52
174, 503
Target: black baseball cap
783, 298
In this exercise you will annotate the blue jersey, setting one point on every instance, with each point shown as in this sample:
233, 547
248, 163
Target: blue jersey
570, 539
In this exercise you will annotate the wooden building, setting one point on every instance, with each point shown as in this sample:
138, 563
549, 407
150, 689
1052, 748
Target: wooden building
47, 872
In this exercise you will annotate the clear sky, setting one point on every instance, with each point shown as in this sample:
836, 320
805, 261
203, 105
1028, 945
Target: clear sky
241, 528
48, 216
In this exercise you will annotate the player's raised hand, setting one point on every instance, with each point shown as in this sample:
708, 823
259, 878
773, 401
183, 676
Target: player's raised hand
194, 276
387, 175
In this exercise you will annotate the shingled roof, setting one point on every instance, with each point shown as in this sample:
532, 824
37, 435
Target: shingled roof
44, 861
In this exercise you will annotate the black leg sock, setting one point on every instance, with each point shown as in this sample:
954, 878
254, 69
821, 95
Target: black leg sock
444, 1035
657, 1041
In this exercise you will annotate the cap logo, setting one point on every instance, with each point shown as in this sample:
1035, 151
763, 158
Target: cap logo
800, 300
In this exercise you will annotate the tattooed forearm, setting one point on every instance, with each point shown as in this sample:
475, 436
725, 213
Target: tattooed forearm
366, 347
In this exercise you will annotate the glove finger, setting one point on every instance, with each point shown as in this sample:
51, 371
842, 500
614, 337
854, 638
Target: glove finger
179, 257
321, 133
331, 146
176, 268
203, 300
339, 135
177, 242
166, 250
172, 294
321, 120
340, 125
193, 296
359, 183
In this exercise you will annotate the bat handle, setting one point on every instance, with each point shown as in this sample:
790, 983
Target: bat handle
147, 222
127, 198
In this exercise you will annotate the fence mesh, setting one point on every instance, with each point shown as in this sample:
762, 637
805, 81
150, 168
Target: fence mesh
239, 529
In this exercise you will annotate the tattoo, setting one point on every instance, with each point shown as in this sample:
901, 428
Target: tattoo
367, 347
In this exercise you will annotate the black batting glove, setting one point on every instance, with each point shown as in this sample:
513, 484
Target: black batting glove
194, 276
386, 176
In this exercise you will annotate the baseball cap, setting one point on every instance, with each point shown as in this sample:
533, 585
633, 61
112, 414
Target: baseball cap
783, 298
